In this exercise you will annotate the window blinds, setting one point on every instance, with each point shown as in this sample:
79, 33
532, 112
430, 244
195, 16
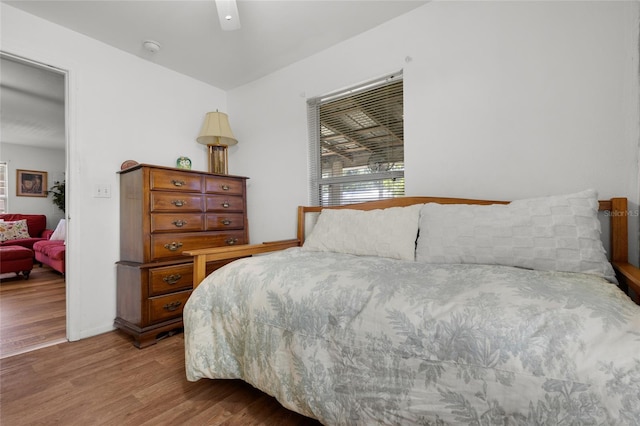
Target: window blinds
357, 143
3, 187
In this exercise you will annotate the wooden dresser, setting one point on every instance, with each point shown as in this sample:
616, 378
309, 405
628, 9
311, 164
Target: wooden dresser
164, 211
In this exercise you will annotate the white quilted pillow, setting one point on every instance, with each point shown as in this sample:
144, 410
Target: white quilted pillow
558, 233
388, 232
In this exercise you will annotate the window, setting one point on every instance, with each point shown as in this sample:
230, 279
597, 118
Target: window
3, 187
356, 142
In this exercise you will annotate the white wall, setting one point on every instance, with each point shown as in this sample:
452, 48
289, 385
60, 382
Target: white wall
503, 100
24, 157
121, 107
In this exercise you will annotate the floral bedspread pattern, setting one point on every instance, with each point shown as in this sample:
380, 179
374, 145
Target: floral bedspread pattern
361, 340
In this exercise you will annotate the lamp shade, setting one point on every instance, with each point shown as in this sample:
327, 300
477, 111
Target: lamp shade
216, 130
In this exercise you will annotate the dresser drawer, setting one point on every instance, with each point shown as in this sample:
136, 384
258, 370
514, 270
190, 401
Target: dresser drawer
224, 203
177, 222
222, 221
224, 185
166, 307
171, 246
175, 181
175, 201
168, 279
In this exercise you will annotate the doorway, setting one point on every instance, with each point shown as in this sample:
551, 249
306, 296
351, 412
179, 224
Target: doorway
33, 136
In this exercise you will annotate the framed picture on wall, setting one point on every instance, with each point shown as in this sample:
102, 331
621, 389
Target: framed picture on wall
31, 183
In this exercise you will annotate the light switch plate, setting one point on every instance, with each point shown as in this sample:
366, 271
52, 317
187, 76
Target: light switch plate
102, 190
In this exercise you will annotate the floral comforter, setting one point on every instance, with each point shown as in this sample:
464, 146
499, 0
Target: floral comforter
360, 340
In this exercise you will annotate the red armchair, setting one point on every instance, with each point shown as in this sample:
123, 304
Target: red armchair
52, 253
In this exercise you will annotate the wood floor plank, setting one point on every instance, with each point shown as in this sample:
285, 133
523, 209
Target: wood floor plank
105, 380
33, 311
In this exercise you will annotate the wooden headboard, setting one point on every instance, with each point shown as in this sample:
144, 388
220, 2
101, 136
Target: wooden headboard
615, 208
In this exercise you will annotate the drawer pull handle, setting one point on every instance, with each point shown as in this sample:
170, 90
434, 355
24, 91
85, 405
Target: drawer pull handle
173, 246
172, 306
226, 222
226, 205
172, 279
179, 203
231, 241
225, 187
179, 223
178, 183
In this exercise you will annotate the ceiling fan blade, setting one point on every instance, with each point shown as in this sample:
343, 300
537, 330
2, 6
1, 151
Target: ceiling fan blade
228, 15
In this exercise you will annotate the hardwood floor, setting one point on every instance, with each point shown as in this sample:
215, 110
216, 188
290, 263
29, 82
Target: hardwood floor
105, 380
32, 312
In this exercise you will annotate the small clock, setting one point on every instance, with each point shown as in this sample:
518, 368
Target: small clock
183, 163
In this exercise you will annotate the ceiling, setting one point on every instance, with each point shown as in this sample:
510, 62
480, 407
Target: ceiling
273, 34
32, 104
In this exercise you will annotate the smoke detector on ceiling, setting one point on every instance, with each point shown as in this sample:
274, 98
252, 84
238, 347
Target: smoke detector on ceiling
151, 46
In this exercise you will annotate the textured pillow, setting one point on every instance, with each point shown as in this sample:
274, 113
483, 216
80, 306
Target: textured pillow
60, 232
558, 233
388, 232
14, 230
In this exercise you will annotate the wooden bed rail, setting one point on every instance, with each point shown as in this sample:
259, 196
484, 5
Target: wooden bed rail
202, 256
615, 208
627, 274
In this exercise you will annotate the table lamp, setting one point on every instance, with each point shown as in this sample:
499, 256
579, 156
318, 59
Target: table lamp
217, 135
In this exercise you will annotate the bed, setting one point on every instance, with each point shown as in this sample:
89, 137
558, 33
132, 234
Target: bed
464, 323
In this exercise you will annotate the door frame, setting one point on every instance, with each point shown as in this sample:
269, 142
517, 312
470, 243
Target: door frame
72, 268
